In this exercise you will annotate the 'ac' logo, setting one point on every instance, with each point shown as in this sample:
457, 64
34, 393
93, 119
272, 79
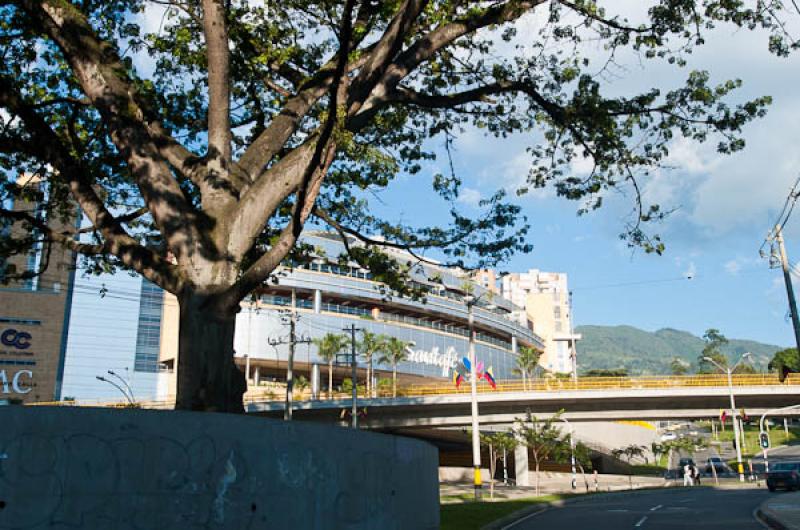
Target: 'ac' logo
20, 340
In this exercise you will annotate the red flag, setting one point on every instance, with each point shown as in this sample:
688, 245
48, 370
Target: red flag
723, 416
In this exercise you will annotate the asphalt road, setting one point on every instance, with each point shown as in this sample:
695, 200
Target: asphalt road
687, 508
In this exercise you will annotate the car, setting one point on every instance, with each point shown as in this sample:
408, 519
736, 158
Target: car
784, 475
715, 463
685, 461
668, 437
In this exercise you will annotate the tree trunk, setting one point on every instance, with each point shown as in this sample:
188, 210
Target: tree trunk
330, 379
208, 378
394, 380
537, 478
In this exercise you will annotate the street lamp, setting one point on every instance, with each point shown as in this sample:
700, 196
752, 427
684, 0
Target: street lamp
736, 441
571, 450
124, 382
110, 382
471, 300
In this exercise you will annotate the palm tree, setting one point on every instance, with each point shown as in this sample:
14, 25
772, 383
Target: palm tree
394, 352
527, 361
370, 344
327, 347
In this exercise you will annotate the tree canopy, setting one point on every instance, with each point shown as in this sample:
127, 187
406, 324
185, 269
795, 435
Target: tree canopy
199, 147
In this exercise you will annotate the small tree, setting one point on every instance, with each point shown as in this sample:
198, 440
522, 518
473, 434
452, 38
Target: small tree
369, 345
527, 361
544, 440
327, 347
714, 341
497, 443
784, 362
395, 351
628, 454
678, 366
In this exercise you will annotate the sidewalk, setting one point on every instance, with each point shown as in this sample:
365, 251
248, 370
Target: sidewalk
782, 512
550, 483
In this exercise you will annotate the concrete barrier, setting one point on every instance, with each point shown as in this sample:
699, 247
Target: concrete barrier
124, 469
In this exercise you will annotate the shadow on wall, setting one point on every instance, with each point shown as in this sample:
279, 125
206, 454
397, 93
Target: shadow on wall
126, 469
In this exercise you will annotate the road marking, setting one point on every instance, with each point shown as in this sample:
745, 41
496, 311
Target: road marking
641, 521
654, 508
626, 511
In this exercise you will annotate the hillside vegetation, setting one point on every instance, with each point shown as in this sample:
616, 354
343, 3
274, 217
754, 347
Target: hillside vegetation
643, 352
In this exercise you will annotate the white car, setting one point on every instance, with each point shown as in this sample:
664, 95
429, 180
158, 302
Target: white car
668, 437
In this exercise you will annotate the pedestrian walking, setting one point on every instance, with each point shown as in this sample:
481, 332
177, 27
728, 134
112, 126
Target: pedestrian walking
696, 475
687, 475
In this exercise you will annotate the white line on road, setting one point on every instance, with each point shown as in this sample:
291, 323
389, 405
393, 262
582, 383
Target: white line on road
641, 521
654, 508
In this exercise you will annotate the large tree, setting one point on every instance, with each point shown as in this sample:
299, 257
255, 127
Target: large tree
198, 152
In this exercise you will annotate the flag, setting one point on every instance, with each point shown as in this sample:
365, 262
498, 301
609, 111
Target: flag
723, 416
744, 415
490, 378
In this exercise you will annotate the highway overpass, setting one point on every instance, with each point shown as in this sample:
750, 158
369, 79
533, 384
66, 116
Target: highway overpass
502, 407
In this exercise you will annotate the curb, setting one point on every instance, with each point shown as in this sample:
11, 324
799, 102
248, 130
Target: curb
770, 521
512, 519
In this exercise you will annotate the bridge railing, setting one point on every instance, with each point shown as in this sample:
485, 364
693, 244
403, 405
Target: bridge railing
602, 383
548, 384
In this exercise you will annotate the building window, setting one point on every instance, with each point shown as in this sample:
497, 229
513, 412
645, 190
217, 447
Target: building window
148, 336
557, 311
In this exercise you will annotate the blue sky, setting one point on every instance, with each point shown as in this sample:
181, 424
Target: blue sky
724, 205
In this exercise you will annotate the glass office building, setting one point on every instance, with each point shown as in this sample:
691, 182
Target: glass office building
331, 298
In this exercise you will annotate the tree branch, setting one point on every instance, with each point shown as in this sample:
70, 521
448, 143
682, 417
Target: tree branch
218, 56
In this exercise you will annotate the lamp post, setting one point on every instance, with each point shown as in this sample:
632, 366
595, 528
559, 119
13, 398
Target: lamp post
476, 441
736, 441
124, 382
571, 451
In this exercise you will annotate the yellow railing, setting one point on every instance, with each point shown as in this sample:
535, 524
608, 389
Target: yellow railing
602, 383
515, 385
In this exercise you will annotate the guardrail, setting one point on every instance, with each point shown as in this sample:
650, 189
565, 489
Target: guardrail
603, 383
516, 385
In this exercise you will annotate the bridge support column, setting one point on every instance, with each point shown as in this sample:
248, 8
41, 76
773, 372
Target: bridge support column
521, 465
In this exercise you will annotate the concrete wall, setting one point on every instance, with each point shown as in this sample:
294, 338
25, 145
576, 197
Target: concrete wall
123, 469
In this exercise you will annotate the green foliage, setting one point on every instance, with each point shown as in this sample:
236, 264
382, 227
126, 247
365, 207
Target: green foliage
604, 372
544, 440
527, 362
714, 341
330, 345
679, 367
394, 351
371, 344
787, 358
651, 353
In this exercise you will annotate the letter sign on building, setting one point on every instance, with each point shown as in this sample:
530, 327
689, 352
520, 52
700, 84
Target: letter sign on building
17, 386
20, 340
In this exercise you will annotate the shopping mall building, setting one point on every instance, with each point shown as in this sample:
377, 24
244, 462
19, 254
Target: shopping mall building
126, 325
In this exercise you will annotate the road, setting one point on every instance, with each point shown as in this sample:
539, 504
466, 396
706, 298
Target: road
687, 508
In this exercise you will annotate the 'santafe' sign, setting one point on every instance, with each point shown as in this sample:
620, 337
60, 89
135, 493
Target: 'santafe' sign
18, 383
447, 361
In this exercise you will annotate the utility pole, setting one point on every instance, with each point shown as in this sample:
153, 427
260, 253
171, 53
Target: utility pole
789, 289
354, 412
293, 340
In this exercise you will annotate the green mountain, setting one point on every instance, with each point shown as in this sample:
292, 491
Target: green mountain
643, 352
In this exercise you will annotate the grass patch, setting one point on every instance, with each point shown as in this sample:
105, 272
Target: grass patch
648, 470
777, 436
474, 515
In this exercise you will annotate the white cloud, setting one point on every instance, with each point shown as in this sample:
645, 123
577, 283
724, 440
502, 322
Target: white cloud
470, 197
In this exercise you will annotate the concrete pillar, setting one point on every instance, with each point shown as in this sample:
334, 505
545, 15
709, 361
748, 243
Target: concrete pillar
315, 386
513, 344
257, 376
521, 465
317, 301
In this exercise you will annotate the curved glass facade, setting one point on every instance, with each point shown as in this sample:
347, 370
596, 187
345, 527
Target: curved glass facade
330, 298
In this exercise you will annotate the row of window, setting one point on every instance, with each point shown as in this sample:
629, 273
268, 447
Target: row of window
285, 301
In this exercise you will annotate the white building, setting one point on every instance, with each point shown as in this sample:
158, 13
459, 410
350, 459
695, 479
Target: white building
545, 297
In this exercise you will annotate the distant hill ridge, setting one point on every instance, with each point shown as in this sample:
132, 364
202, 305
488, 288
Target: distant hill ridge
644, 352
